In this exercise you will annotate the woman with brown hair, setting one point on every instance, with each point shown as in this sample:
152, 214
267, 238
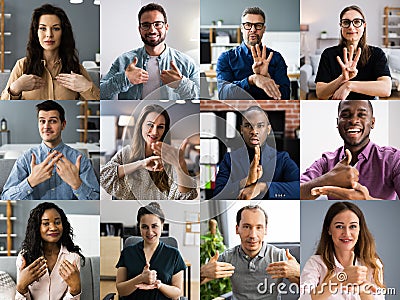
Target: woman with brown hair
346, 256
51, 69
353, 69
150, 168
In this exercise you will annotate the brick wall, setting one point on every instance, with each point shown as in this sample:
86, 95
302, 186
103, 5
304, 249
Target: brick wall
291, 108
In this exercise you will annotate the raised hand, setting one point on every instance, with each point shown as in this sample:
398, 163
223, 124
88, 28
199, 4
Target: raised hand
168, 153
343, 174
255, 171
144, 286
30, 274
268, 85
349, 66
285, 269
43, 171
153, 163
27, 83
74, 82
136, 75
342, 92
69, 172
261, 62
358, 192
215, 269
69, 272
172, 76
148, 276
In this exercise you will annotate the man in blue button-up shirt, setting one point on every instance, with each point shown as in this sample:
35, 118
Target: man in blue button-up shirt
52, 170
154, 71
251, 70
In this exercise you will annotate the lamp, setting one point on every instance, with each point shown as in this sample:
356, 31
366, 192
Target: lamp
75, 1
304, 28
126, 121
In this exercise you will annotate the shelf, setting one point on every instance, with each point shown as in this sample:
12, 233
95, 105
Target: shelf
5, 218
225, 45
5, 235
219, 27
4, 202
7, 16
12, 252
89, 117
88, 130
88, 102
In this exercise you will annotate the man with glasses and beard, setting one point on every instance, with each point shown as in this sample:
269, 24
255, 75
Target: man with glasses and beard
252, 67
139, 73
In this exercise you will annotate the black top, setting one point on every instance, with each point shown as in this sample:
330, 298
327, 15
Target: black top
166, 260
329, 69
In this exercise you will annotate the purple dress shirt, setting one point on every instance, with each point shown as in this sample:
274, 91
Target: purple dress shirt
379, 169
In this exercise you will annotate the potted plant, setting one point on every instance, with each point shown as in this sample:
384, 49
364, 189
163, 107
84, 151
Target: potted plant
213, 241
324, 34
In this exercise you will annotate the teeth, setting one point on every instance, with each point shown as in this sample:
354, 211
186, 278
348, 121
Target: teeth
353, 130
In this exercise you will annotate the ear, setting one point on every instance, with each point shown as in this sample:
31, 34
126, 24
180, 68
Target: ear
337, 122
166, 27
63, 124
237, 229
269, 129
372, 122
241, 129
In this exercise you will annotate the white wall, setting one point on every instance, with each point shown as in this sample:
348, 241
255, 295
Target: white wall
119, 31
324, 15
319, 133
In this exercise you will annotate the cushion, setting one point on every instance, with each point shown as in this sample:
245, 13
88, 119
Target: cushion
315, 62
7, 286
394, 63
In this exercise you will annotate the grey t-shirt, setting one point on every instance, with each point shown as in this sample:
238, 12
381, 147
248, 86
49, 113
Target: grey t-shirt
250, 279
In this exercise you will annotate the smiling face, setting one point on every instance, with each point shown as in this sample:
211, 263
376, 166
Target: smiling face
354, 123
51, 228
255, 128
153, 37
150, 228
50, 127
153, 128
251, 229
252, 36
352, 33
49, 32
344, 230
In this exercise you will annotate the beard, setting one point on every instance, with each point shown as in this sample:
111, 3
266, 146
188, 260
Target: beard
153, 43
253, 43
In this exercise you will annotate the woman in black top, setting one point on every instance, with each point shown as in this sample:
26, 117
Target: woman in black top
353, 69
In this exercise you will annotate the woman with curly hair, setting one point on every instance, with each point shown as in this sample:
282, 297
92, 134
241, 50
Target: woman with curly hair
346, 264
353, 69
150, 168
48, 264
51, 69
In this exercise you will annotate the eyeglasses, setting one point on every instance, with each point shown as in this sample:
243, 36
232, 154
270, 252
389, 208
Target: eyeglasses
345, 23
248, 25
156, 24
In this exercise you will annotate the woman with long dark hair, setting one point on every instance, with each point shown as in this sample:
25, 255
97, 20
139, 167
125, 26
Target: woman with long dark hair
353, 69
48, 264
346, 264
51, 69
149, 168
150, 269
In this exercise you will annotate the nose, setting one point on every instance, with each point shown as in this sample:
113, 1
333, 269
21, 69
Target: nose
49, 32
153, 130
52, 226
354, 119
346, 231
253, 28
254, 130
253, 232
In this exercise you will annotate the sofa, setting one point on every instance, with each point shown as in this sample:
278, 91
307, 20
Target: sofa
90, 275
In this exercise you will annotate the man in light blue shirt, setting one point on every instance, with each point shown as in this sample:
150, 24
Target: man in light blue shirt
154, 71
51, 170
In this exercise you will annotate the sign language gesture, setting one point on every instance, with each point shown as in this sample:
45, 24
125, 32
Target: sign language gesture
26, 83
31, 273
261, 62
172, 76
69, 172
255, 171
74, 82
148, 276
43, 171
136, 75
349, 66
285, 269
215, 269
70, 273
153, 163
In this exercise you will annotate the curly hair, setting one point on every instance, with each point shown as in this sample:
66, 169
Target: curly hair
365, 248
32, 247
67, 51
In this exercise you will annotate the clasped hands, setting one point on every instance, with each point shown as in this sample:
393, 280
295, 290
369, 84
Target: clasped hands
349, 71
149, 279
43, 171
261, 78
343, 182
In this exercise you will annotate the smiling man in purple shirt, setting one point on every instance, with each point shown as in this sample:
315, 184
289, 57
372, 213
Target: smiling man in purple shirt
359, 170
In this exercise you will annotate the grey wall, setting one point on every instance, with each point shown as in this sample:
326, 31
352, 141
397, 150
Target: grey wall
85, 20
22, 121
383, 221
283, 15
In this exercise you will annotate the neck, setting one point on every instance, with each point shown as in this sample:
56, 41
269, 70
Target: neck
151, 247
344, 257
355, 151
252, 254
50, 56
156, 50
52, 144
50, 249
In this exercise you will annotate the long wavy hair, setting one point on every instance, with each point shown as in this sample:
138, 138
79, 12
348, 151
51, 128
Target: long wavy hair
67, 51
138, 143
362, 43
365, 248
32, 246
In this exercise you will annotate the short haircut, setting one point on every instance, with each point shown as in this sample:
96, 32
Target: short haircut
250, 207
253, 11
251, 108
150, 7
51, 105
369, 103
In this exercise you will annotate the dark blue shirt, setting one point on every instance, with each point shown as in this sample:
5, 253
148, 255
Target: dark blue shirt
166, 260
235, 66
280, 173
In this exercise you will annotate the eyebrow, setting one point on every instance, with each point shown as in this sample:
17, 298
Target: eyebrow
42, 24
52, 117
354, 222
57, 218
152, 122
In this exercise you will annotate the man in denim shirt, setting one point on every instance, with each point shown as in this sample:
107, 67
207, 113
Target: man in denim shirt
154, 71
252, 71
52, 170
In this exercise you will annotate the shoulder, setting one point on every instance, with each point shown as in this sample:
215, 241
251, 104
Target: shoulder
180, 55
315, 262
335, 50
277, 254
170, 251
376, 50
385, 151
227, 255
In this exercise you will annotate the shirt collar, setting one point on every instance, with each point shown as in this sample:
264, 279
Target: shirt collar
47, 149
339, 265
58, 61
260, 254
365, 153
163, 54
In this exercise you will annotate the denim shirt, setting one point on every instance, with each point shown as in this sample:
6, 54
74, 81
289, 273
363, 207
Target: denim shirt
115, 83
234, 68
54, 188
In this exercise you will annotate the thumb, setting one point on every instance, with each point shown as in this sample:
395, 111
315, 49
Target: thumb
33, 161
215, 257
23, 265
288, 255
146, 267
173, 66
134, 62
347, 159
183, 145
78, 162
352, 258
